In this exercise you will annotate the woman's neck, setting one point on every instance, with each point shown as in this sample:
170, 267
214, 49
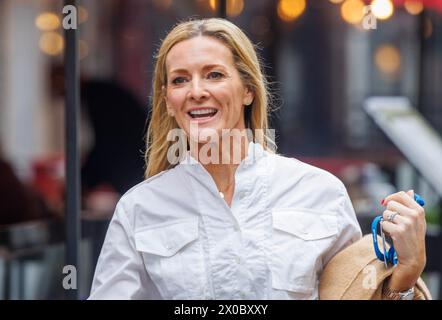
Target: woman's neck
222, 167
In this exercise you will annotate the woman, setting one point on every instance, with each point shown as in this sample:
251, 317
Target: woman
204, 226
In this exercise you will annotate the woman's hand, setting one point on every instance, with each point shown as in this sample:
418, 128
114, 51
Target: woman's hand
407, 229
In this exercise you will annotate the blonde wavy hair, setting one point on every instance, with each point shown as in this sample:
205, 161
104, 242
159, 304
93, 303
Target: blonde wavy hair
246, 62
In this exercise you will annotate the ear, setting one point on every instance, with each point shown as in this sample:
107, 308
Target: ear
249, 95
164, 91
169, 109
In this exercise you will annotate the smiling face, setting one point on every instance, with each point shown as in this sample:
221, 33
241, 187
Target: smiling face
204, 86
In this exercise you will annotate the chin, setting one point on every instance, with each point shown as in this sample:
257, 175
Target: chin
205, 134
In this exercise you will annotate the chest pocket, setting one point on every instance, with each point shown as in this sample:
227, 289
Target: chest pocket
299, 239
173, 257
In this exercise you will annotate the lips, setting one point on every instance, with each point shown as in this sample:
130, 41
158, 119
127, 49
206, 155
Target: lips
202, 113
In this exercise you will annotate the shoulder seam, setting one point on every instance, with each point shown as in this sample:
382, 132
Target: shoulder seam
144, 182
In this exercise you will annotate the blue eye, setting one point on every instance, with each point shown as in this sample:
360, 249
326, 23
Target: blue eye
178, 80
215, 75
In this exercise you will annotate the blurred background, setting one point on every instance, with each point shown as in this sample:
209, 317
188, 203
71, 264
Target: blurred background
324, 59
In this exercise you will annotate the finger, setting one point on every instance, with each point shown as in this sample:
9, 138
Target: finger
415, 216
404, 198
392, 229
397, 219
401, 209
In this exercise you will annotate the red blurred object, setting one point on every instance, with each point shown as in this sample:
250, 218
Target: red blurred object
333, 165
428, 4
48, 180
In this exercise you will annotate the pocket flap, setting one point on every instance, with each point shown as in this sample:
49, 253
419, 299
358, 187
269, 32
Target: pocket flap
305, 224
166, 239
305, 286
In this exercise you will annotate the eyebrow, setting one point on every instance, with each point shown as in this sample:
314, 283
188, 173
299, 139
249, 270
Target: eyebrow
205, 67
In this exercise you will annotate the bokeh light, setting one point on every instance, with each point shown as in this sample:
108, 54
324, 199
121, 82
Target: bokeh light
213, 4
382, 9
83, 49
388, 59
289, 10
234, 7
414, 7
352, 11
428, 28
83, 14
162, 4
51, 43
47, 21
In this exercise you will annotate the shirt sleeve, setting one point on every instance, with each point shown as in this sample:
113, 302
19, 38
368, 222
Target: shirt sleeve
120, 272
349, 230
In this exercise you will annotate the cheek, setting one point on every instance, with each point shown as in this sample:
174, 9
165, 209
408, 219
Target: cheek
175, 99
237, 102
229, 97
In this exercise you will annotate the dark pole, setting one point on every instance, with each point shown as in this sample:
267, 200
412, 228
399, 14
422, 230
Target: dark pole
72, 215
421, 80
222, 10
420, 107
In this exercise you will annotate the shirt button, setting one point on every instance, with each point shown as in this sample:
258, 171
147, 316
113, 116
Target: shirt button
235, 228
243, 295
238, 259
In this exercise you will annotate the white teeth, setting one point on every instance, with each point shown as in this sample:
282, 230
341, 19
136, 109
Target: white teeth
202, 111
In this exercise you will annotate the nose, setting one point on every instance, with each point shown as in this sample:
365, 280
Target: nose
197, 90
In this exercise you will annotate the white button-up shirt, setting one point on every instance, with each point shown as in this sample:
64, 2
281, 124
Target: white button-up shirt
173, 236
